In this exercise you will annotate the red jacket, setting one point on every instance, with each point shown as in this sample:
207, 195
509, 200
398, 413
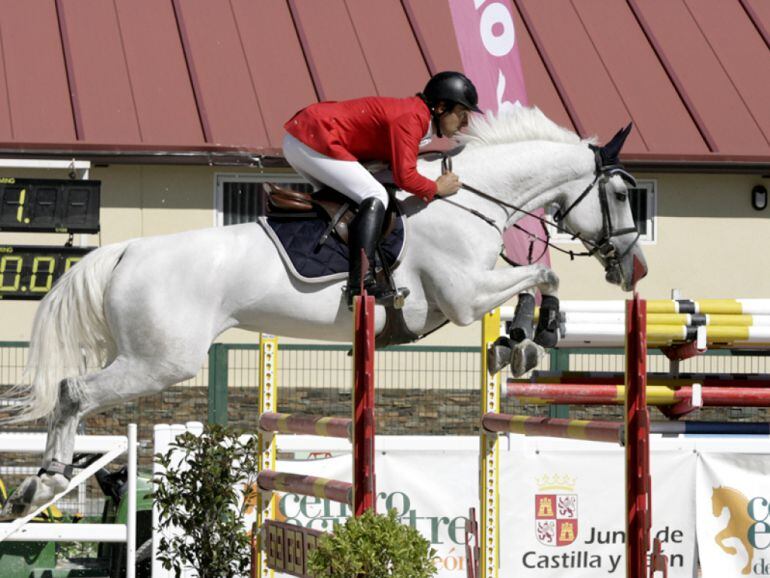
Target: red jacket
373, 128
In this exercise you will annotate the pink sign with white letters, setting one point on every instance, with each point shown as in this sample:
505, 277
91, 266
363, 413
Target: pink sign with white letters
486, 37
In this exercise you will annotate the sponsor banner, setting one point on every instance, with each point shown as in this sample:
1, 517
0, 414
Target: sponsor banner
562, 504
563, 512
733, 514
426, 489
486, 37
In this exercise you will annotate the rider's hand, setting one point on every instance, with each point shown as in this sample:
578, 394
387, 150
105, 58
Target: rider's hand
447, 184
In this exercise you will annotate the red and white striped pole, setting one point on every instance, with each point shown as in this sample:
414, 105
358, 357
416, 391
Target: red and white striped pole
364, 483
638, 481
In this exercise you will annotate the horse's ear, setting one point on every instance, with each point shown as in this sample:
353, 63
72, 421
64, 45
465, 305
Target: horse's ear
611, 151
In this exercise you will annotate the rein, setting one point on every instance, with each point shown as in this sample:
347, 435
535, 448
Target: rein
604, 246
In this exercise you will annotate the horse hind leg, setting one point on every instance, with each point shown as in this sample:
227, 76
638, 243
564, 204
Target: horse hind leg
121, 381
55, 472
749, 553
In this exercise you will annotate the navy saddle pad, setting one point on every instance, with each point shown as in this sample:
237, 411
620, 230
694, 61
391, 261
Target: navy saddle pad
299, 239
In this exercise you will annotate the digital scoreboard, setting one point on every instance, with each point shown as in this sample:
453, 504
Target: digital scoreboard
49, 205
43, 206
29, 271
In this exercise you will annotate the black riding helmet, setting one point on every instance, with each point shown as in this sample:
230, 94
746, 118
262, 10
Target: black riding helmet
450, 87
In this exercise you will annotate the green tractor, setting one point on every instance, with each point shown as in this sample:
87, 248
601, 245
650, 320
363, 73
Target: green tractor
54, 560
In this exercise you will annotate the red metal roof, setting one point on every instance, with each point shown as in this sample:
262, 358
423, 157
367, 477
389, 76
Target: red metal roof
147, 76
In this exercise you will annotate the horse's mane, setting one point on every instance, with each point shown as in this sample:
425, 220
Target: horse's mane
515, 124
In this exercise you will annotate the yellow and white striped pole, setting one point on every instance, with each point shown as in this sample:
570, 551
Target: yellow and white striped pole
267, 502
489, 491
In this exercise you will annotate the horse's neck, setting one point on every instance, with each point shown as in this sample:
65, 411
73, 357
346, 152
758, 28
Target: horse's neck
529, 175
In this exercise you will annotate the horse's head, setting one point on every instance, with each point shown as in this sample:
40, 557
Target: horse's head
717, 501
600, 216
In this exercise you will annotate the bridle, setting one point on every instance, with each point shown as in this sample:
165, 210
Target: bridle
604, 246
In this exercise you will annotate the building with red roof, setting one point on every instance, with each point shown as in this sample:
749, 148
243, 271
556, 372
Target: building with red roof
174, 104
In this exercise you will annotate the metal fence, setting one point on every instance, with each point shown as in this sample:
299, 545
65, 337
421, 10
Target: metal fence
421, 390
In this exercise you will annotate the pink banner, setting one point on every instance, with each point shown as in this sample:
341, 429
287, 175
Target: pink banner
486, 37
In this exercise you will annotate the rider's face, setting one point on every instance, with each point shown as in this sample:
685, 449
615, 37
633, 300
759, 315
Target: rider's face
454, 120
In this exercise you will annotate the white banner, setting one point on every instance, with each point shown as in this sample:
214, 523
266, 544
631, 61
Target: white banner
562, 501
563, 509
733, 514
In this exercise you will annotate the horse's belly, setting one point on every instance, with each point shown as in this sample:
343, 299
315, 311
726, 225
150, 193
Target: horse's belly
286, 326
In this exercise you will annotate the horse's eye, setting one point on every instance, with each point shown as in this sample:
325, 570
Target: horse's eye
621, 196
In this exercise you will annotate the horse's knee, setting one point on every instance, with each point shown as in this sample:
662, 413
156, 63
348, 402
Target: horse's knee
548, 281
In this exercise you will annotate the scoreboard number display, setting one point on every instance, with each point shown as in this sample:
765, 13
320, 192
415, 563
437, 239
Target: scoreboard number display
49, 205
28, 272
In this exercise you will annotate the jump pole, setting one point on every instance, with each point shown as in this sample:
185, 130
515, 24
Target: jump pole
637, 443
636, 431
658, 395
364, 486
267, 503
489, 452
281, 546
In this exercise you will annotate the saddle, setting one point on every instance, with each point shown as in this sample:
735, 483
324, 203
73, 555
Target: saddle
294, 220
328, 204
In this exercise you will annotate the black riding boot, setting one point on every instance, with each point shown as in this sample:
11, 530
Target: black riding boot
363, 233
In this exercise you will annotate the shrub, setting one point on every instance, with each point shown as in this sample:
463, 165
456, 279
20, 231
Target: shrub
375, 547
201, 498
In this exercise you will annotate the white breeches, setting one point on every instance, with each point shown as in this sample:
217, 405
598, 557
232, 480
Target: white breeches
348, 177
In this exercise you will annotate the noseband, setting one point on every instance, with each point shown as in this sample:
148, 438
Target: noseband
604, 245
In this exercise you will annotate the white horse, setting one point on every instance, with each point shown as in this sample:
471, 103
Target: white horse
134, 318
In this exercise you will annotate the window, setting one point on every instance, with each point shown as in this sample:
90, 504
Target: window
237, 196
643, 199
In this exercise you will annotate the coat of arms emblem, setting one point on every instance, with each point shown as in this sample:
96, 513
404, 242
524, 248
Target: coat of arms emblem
556, 513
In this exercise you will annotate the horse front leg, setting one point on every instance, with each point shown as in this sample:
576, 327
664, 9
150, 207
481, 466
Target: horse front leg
483, 291
520, 347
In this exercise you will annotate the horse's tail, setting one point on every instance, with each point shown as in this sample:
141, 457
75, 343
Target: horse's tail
69, 335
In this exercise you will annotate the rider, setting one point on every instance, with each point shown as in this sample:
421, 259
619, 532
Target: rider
326, 141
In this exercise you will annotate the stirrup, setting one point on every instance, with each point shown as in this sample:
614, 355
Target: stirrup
383, 295
391, 297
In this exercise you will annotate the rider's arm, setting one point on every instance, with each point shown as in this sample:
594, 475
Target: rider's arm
405, 135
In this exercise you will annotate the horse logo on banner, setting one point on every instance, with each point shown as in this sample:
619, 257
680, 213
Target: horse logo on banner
556, 514
738, 524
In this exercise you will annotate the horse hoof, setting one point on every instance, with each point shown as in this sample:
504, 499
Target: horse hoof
526, 355
53, 484
20, 502
498, 355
